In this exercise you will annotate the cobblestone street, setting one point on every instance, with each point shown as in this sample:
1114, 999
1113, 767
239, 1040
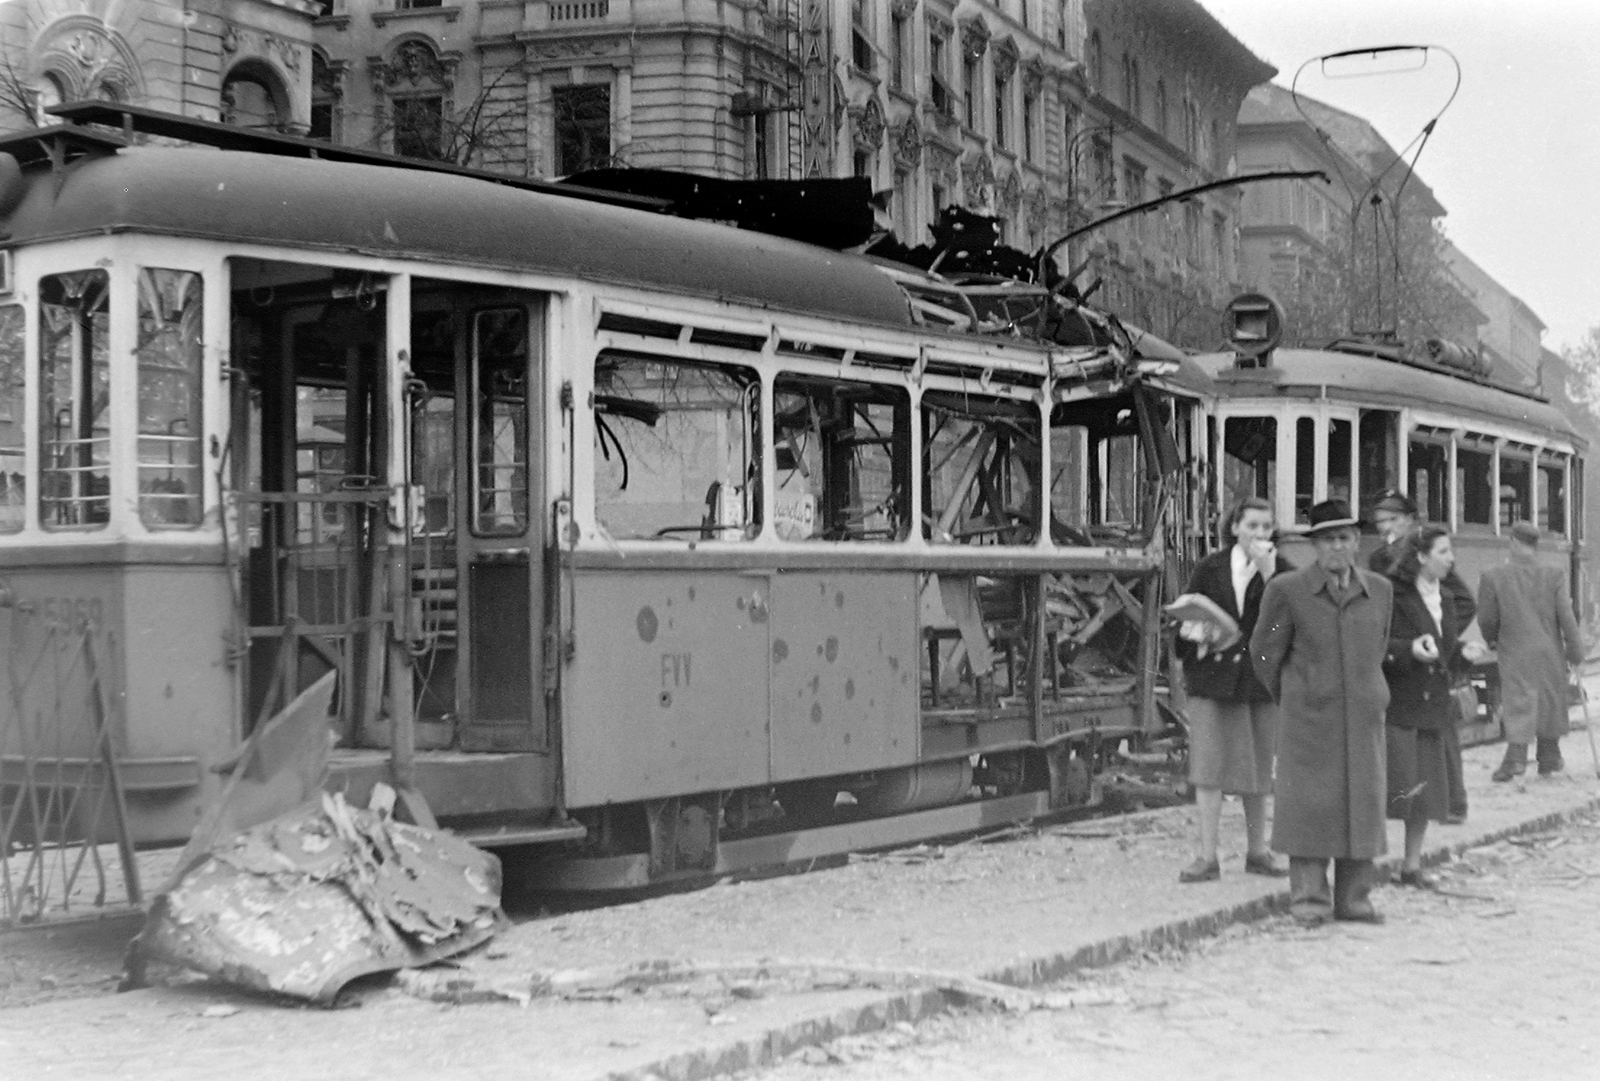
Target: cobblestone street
1492, 976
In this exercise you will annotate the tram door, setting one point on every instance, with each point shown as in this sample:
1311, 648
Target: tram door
477, 551
310, 458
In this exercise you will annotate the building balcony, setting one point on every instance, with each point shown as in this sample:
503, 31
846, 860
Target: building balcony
561, 14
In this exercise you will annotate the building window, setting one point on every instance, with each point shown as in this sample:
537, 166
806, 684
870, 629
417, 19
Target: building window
1002, 102
762, 142
969, 88
861, 164
899, 52
944, 99
1097, 62
419, 127
324, 97
1030, 121
582, 127
1161, 107
861, 52
1104, 173
1130, 86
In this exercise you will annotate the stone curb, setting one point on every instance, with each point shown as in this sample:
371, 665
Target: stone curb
775, 1044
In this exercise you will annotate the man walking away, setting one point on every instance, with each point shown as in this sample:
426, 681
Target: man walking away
1318, 647
1525, 613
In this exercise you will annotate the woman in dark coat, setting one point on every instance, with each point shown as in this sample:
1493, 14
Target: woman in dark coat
1424, 652
1233, 722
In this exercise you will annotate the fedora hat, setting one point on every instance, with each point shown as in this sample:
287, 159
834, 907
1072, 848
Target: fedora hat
1396, 502
1331, 514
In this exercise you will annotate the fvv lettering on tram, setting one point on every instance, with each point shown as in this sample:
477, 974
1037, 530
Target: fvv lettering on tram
675, 669
71, 613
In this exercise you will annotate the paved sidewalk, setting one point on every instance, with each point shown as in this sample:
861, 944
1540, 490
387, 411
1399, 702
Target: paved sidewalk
1019, 910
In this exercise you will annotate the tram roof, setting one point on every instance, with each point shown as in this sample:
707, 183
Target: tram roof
1359, 378
242, 197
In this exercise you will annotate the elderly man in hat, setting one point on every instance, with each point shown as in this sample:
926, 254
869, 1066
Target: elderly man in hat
1318, 646
1395, 517
1525, 612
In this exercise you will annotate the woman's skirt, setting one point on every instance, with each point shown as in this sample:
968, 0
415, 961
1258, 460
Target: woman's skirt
1419, 775
1231, 745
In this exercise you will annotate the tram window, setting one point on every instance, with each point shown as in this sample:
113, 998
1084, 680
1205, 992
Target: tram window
1249, 458
1305, 468
168, 350
677, 449
1473, 477
74, 396
982, 459
1516, 489
1339, 460
13, 481
1379, 454
1552, 496
500, 433
433, 420
1069, 483
843, 457
1430, 479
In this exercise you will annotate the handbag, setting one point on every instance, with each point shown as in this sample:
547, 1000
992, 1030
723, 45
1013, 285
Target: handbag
1465, 698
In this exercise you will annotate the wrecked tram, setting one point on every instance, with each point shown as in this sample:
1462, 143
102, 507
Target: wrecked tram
667, 548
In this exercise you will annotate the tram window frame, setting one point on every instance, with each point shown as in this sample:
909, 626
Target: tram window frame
1475, 482
727, 511
1378, 454
1516, 473
88, 294
170, 374
1256, 444
1430, 488
994, 427
834, 490
501, 510
1305, 468
1552, 494
13, 408
1340, 469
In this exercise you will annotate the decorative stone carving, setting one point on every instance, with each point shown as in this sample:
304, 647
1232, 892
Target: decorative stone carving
543, 48
1033, 73
415, 64
327, 77
287, 52
867, 125
230, 39
1036, 208
1005, 59
88, 59
908, 143
943, 165
977, 170
974, 38
1010, 191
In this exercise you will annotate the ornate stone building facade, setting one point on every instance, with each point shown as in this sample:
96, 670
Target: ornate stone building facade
243, 61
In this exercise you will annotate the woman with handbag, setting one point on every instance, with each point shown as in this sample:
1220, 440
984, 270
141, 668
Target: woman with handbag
1233, 722
1424, 652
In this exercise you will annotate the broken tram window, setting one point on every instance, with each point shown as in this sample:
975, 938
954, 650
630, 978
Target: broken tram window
843, 456
677, 449
982, 469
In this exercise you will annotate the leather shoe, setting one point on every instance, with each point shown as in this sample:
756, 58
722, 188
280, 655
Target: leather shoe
1557, 766
1265, 866
1358, 914
1453, 819
1508, 771
1418, 879
1201, 871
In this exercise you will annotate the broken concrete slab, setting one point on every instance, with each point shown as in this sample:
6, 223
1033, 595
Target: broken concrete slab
305, 903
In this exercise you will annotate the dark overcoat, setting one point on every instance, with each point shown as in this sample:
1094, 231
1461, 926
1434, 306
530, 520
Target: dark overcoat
1321, 655
1419, 691
1385, 559
1226, 675
1525, 613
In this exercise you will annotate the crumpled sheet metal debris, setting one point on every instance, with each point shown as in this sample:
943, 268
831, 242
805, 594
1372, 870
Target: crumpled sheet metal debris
305, 903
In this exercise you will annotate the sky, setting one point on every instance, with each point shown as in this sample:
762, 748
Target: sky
1515, 159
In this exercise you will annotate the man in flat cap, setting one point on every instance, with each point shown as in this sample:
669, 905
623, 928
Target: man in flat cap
1318, 647
1395, 517
1525, 613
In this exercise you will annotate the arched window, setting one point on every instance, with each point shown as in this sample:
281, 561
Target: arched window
253, 97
